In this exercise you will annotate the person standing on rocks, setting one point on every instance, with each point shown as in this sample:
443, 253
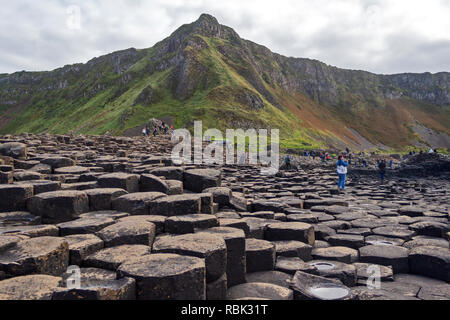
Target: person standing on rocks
382, 169
342, 172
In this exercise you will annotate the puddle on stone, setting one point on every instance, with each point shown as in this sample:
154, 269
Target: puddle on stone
322, 266
381, 243
329, 293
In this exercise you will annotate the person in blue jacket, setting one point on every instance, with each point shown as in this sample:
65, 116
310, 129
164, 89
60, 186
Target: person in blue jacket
341, 170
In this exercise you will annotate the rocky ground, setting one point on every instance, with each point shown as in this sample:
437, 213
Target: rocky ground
141, 228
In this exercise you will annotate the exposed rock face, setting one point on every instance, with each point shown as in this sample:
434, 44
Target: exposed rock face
196, 57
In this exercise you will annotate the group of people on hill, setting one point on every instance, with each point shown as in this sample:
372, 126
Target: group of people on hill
342, 169
162, 128
343, 163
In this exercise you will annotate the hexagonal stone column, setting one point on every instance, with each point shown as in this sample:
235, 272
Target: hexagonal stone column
83, 226
151, 183
128, 182
101, 198
210, 247
44, 255
255, 290
394, 256
236, 258
31, 287
13, 149
311, 287
136, 203
128, 232
346, 273
167, 276
188, 223
297, 231
260, 255
197, 180
59, 206
293, 249
176, 205
342, 254
112, 258
433, 262
81, 246
14, 197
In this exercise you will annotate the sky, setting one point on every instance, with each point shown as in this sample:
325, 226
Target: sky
381, 36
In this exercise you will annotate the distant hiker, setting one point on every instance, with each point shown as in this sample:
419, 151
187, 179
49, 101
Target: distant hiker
347, 150
364, 163
382, 169
287, 160
155, 132
341, 172
390, 164
166, 128
144, 132
313, 155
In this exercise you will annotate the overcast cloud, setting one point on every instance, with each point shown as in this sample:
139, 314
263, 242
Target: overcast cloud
382, 36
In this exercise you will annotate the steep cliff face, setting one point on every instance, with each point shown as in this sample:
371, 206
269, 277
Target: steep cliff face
204, 70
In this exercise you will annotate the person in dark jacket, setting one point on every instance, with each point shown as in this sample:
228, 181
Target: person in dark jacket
382, 169
342, 172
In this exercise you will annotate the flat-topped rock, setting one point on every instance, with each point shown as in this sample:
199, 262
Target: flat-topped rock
110, 289
71, 170
167, 276
366, 271
197, 180
151, 183
346, 273
293, 249
346, 240
84, 226
128, 232
260, 255
312, 287
18, 218
59, 206
43, 255
102, 198
236, 258
14, 197
394, 256
176, 205
58, 162
125, 181
210, 247
342, 254
81, 246
254, 290
430, 261
113, 214
14, 150
31, 287
112, 258
31, 231
136, 203
188, 223
274, 277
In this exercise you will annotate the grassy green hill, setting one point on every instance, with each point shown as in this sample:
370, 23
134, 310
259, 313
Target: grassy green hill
206, 71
